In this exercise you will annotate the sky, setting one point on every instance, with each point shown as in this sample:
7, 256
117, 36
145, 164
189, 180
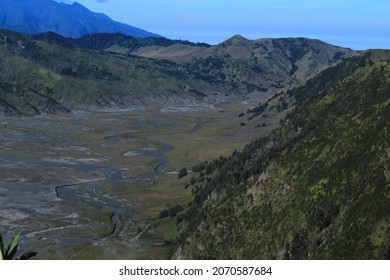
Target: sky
357, 24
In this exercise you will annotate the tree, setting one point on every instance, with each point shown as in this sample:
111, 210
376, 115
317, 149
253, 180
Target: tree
182, 173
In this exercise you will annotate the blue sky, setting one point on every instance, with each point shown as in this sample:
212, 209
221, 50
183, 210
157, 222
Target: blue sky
358, 24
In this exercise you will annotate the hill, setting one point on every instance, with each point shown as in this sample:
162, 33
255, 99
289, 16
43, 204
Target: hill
108, 42
254, 66
48, 73
317, 188
69, 20
39, 77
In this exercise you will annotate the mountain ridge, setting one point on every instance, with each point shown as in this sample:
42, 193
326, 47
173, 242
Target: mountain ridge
69, 20
86, 72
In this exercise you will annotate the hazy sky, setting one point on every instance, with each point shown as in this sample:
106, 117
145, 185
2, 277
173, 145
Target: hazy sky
358, 24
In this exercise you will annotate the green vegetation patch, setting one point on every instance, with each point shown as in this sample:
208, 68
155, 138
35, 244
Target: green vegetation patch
316, 188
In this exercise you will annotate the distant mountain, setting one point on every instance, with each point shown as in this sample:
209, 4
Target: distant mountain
254, 66
108, 41
69, 20
37, 77
48, 73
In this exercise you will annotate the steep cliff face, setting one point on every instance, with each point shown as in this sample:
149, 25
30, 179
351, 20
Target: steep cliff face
317, 188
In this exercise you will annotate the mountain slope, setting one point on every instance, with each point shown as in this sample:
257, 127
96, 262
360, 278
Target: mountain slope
107, 41
254, 66
37, 16
79, 74
75, 78
317, 188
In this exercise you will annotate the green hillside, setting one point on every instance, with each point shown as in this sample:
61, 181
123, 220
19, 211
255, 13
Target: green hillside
254, 67
317, 188
49, 73
74, 77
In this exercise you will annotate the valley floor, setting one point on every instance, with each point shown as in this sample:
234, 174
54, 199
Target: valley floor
91, 185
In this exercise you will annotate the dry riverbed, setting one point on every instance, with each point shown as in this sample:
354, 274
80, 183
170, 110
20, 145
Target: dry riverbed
90, 185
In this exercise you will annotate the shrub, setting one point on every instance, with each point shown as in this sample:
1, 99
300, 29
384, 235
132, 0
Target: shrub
172, 212
182, 173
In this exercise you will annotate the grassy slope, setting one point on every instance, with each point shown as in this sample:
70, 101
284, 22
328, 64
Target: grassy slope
76, 77
100, 70
253, 66
317, 188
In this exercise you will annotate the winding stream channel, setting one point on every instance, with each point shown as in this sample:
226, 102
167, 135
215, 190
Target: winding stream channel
118, 208
70, 181
56, 173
